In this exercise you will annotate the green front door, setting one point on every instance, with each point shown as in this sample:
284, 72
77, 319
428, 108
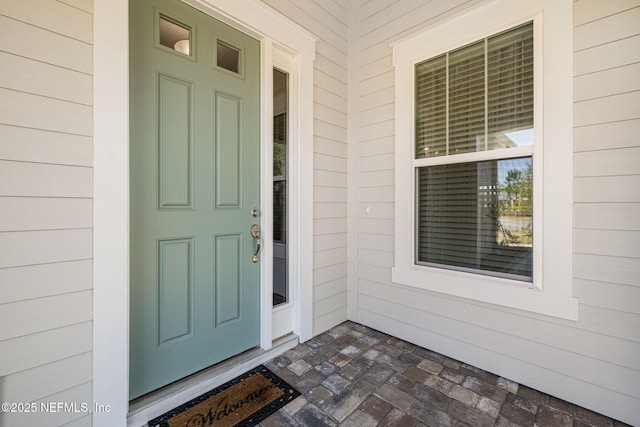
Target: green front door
195, 170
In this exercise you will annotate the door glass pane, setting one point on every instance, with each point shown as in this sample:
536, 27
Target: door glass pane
175, 36
228, 57
280, 193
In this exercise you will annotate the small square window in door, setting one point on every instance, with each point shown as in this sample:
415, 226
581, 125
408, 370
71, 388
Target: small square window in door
174, 35
227, 57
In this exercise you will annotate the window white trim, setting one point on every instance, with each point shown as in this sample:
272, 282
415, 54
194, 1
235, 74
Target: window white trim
552, 290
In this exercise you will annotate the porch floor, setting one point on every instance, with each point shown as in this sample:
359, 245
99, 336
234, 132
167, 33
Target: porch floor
355, 376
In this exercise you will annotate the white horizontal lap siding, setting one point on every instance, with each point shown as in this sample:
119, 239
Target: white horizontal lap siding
592, 362
328, 20
607, 196
46, 190
378, 24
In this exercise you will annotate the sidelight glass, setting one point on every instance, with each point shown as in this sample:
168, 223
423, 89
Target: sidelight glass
280, 187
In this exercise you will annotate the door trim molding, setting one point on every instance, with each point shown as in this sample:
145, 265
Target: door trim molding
111, 181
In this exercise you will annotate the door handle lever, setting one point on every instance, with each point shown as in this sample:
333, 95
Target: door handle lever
255, 233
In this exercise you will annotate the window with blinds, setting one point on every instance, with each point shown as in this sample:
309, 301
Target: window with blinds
474, 211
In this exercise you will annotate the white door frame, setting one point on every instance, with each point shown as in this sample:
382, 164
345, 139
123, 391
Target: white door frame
111, 183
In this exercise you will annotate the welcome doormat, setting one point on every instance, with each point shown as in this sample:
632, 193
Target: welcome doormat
241, 402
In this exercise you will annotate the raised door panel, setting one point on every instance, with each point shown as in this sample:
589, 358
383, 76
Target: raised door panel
175, 290
228, 288
175, 143
228, 113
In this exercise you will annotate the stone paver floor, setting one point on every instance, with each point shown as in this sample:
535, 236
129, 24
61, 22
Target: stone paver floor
355, 376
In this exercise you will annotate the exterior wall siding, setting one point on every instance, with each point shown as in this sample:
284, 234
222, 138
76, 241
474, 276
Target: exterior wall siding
592, 362
328, 20
46, 212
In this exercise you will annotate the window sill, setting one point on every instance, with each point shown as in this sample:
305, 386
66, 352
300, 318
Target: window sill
492, 290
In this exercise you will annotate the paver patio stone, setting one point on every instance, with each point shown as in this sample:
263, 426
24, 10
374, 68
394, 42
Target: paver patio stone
355, 376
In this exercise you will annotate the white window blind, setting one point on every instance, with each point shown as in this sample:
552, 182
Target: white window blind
476, 215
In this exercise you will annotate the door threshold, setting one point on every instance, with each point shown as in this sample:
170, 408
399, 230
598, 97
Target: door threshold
156, 403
